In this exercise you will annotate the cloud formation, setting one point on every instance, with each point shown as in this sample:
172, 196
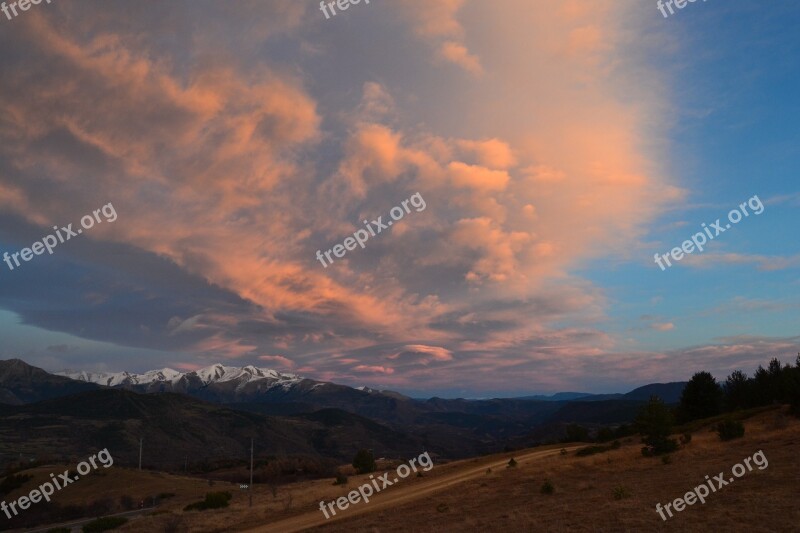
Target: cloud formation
229, 173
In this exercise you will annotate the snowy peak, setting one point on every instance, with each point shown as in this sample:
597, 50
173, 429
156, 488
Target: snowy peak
114, 379
219, 373
216, 373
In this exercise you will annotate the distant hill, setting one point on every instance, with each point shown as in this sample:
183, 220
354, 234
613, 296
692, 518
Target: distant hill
21, 383
558, 397
298, 414
668, 392
175, 427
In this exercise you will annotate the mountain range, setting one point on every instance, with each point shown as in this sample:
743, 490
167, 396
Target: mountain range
218, 408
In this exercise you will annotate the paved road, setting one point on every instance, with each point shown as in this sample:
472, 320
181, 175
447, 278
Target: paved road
397, 495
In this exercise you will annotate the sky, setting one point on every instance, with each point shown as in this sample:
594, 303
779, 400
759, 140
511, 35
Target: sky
545, 151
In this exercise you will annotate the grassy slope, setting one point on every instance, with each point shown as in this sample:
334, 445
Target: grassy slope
761, 500
510, 500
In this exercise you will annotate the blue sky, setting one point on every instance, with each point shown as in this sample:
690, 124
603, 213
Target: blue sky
558, 146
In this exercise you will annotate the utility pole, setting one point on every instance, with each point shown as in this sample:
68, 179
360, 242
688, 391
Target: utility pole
140, 453
251, 472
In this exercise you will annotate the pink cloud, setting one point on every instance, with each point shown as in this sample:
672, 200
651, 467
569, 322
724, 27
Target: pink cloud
281, 360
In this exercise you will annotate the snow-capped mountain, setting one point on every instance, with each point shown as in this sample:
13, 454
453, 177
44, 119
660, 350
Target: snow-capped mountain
114, 379
218, 382
249, 385
210, 374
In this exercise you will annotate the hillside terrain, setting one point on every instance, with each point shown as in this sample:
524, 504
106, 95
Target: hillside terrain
212, 413
612, 491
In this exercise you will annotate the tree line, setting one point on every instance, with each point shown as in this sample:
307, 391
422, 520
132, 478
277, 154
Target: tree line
703, 397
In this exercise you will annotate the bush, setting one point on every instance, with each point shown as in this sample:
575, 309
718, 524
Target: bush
604, 434
126, 502
512, 463
547, 487
621, 493
654, 422
341, 479
576, 433
100, 507
364, 462
686, 438
214, 500
104, 524
666, 459
12, 482
730, 429
794, 405
175, 524
591, 450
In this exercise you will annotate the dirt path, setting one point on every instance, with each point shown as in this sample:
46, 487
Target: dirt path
395, 496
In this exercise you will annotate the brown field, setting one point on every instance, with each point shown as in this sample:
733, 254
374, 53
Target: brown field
461, 496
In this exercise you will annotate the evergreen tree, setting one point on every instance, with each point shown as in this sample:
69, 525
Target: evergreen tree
702, 398
738, 391
364, 462
655, 422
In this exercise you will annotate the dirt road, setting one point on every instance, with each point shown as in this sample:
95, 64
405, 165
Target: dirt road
397, 495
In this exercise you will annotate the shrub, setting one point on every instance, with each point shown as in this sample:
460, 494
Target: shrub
686, 438
654, 422
547, 487
100, 507
794, 405
126, 502
621, 493
364, 462
780, 421
214, 500
576, 433
730, 429
12, 482
591, 450
341, 479
175, 524
604, 434
104, 524
512, 463
666, 459
563, 451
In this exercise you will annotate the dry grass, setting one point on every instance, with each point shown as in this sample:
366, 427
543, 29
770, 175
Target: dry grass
510, 499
